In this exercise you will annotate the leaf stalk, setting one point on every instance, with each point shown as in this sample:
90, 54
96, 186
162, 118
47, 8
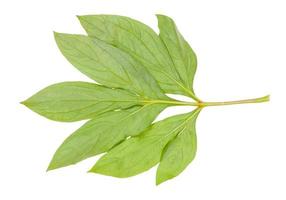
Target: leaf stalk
206, 104
244, 101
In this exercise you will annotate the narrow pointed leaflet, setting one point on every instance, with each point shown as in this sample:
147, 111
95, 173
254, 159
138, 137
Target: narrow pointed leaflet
179, 152
73, 101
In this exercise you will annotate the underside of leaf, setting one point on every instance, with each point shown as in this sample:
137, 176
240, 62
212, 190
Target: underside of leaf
133, 69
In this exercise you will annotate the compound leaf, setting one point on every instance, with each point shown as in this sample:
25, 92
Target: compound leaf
103, 132
140, 41
133, 68
140, 153
73, 101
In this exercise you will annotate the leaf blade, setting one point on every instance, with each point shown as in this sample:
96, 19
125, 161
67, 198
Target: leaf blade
183, 56
178, 154
107, 65
140, 41
102, 133
73, 101
138, 154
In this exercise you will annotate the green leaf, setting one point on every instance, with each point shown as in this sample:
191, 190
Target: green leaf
140, 153
108, 65
134, 68
103, 132
73, 101
183, 56
145, 45
178, 153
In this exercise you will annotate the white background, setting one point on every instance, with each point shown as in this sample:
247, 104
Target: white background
241, 48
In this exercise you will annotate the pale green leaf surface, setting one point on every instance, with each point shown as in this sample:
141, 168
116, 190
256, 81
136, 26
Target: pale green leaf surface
108, 65
134, 68
183, 56
142, 43
140, 153
178, 153
103, 132
73, 101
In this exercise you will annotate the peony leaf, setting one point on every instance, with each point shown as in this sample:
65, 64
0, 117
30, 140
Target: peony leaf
133, 68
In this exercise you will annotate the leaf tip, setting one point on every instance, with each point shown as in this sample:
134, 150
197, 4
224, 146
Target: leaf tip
97, 169
159, 180
79, 17
162, 176
90, 171
56, 34
162, 16
59, 36
50, 167
54, 164
25, 103
159, 16
93, 170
